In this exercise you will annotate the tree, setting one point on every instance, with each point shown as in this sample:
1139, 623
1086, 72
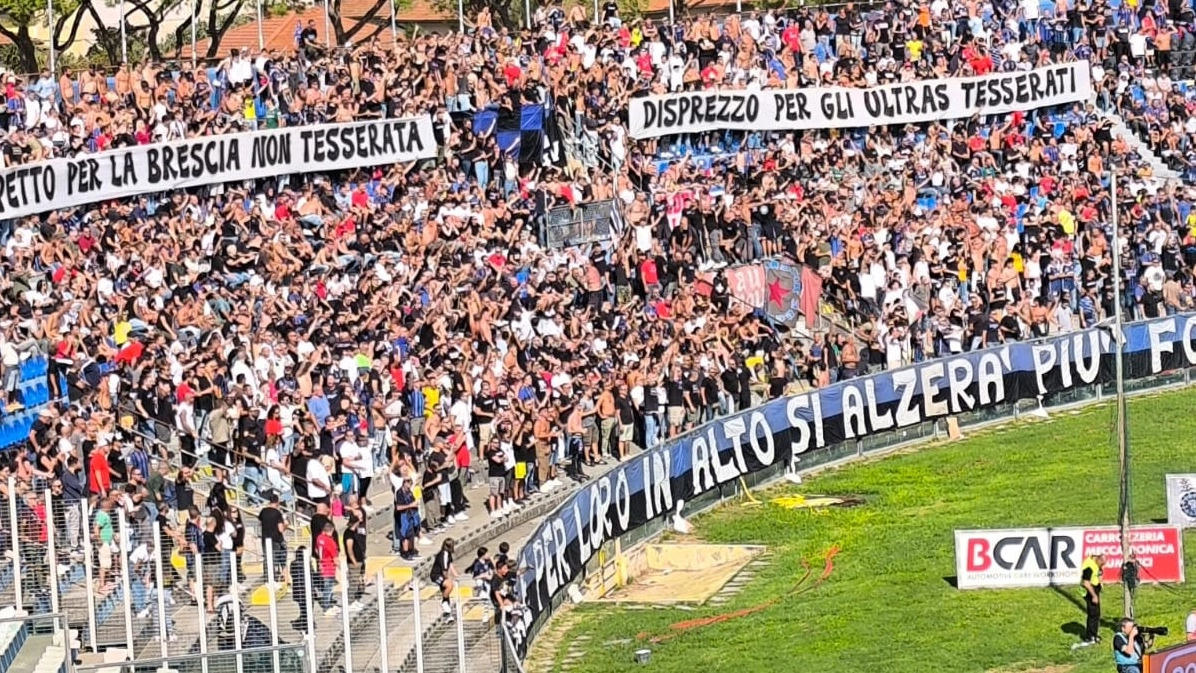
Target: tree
505, 12
17, 16
359, 26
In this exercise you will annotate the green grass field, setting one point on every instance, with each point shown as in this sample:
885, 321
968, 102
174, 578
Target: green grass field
888, 607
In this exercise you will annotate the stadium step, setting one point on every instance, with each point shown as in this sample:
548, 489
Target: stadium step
1161, 170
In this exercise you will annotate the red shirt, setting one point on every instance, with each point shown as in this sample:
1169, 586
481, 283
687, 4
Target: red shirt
648, 272
99, 475
326, 551
361, 199
791, 36
512, 72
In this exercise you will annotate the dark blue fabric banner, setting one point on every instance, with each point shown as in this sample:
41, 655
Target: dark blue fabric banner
654, 483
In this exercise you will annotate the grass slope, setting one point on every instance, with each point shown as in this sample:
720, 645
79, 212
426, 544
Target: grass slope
888, 607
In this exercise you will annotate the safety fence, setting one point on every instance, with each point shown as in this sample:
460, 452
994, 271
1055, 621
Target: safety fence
569, 226
128, 587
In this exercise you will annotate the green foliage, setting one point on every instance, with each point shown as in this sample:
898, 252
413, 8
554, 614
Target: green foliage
887, 605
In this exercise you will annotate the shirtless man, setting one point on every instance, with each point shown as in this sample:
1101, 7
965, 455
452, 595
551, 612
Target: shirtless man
606, 420
546, 434
850, 357
1040, 317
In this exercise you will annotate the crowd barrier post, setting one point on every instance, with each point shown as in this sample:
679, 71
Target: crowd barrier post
126, 583
234, 588
160, 582
18, 590
88, 575
51, 553
345, 621
200, 597
271, 584
419, 626
460, 622
383, 645
311, 610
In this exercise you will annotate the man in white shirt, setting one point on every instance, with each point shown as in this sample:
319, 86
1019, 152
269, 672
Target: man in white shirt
319, 484
357, 457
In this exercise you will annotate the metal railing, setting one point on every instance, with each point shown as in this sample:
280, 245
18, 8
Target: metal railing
585, 223
139, 602
279, 659
38, 644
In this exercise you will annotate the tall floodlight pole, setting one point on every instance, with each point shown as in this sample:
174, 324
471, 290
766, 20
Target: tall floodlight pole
124, 40
1123, 444
50, 28
194, 37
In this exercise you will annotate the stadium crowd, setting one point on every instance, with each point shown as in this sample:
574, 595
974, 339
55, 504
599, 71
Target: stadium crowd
314, 340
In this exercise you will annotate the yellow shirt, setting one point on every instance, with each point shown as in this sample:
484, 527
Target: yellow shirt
431, 399
120, 333
914, 47
1068, 222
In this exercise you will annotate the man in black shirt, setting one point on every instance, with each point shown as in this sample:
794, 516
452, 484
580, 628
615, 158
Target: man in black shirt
730, 381
500, 595
318, 520
745, 385
496, 473
273, 533
484, 406
675, 395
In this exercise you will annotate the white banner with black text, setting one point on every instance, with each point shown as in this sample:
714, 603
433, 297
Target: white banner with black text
145, 169
841, 107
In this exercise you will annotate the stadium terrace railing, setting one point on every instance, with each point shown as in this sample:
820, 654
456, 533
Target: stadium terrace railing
585, 223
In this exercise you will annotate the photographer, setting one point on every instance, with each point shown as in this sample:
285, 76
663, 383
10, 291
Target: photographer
1127, 647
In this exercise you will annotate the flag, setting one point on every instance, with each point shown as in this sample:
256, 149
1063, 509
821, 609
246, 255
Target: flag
518, 129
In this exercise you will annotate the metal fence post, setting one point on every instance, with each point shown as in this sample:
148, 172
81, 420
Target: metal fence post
311, 616
16, 544
234, 590
87, 563
203, 613
51, 553
345, 615
382, 644
126, 584
419, 626
163, 635
460, 630
271, 584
